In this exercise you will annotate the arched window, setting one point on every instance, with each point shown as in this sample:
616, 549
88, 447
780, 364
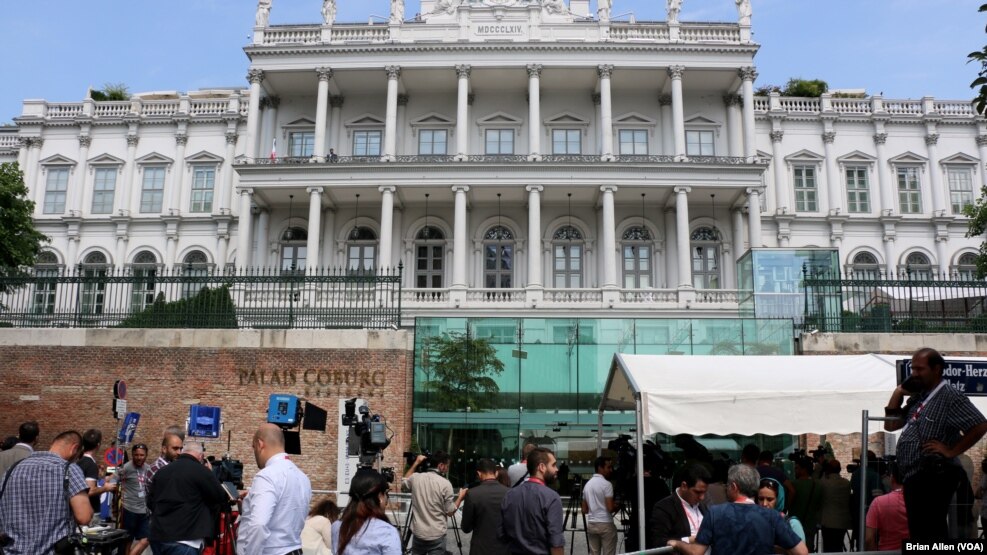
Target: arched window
93, 297
144, 270
46, 258
361, 250
195, 272
917, 267
45, 289
865, 266
429, 257
705, 258
567, 255
636, 245
498, 258
966, 267
294, 250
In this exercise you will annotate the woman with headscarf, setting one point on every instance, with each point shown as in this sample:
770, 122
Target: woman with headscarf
771, 495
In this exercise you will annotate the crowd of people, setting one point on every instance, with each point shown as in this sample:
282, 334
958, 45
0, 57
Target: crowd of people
176, 505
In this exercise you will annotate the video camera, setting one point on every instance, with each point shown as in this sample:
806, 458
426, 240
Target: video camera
371, 430
410, 457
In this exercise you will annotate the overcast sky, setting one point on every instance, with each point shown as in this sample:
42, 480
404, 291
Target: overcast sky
55, 49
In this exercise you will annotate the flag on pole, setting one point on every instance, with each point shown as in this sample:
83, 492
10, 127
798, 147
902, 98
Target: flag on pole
274, 149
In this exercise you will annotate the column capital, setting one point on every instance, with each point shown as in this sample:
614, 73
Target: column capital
393, 72
315, 190
604, 71
387, 189
132, 140
534, 70
608, 188
231, 137
249, 191
85, 141
470, 98
981, 140
829, 137
181, 139
932, 139
747, 73
403, 99
777, 136
270, 102
534, 188
336, 101
753, 191
460, 188
682, 190
597, 99
664, 100
733, 100
463, 71
880, 138
324, 73
675, 72
255, 76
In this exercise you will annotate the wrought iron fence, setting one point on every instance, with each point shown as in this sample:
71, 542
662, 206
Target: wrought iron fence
200, 297
908, 303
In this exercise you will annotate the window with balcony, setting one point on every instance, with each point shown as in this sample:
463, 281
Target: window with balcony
144, 270
632, 142
909, 190
806, 194
366, 143
361, 251
499, 141
294, 250
56, 185
46, 288
706, 258
152, 189
567, 267
104, 189
433, 142
203, 184
93, 294
699, 143
498, 258
301, 144
960, 188
567, 141
857, 190
429, 258
636, 249
966, 267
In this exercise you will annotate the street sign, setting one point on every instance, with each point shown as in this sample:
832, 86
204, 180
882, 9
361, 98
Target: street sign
113, 456
129, 427
119, 389
969, 377
119, 408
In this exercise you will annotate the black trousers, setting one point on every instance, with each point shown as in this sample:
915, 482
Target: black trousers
928, 493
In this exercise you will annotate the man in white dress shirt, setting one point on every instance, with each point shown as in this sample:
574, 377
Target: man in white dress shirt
275, 508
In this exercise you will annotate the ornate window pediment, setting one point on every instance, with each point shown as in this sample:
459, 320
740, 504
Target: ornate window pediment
960, 159
499, 120
566, 120
908, 159
430, 233
498, 233
804, 158
865, 258
362, 122
432, 120
567, 233
106, 160
636, 233
700, 122
856, 158
49, 258
154, 159
204, 158
300, 124
57, 160
635, 120
705, 233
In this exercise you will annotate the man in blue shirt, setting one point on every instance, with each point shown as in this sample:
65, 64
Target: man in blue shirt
741, 527
531, 513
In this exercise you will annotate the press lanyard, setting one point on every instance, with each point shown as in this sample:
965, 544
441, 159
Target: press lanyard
918, 410
693, 522
537, 481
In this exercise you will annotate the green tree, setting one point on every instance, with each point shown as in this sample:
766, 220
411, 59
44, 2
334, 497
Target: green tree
111, 91
462, 370
976, 228
20, 242
208, 309
980, 83
808, 88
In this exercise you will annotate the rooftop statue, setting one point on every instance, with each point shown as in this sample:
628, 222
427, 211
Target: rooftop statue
445, 7
328, 12
263, 13
674, 7
603, 10
744, 12
557, 7
397, 12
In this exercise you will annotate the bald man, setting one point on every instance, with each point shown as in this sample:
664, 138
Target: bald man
277, 503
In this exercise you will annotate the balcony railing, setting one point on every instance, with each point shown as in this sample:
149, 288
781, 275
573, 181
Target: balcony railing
433, 159
199, 297
910, 302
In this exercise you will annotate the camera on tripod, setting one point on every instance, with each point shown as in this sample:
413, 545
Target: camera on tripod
410, 457
371, 431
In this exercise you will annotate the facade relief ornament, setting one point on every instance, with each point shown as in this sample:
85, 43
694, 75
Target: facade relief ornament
85, 141
747, 73
181, 139
880, 138
445, 7
555, 7
829, 137
777, 136
263, 15
605, 71
463, 71
534, 70
255, 76
676, 72
393, 72
132, 140
231, 137
328, 12
932, 139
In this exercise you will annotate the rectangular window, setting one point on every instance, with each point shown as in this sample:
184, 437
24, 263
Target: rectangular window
633, 142
203, 182
566, 141
805, 189
301, 144
55, 188
104, 186
960, 188
909, 194
699, 143
45, 291
500, 141
366, 143
857, 190
152, 190
432, 141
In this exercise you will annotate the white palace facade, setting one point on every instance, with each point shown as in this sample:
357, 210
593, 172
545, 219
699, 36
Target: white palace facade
510, 155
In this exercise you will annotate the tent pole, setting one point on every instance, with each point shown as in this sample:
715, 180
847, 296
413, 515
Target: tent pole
599, 433
640, 471
864, 425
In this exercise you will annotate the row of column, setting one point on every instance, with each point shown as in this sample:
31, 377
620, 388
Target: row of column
535, 276
463, 72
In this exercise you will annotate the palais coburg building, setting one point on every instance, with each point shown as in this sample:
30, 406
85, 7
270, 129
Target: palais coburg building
510, 155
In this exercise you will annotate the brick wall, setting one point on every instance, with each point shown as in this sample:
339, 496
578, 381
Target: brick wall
67, 383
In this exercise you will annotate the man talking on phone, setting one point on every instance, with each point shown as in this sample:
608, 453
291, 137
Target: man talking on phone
938, 424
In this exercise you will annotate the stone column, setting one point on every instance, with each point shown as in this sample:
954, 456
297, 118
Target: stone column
735, 125
269, 123
598, 125
386, 227
459, 238
72, 253
391, 120
682, 237
79, 187
534, 111
462, 112
885, 194
243, 232
535, 279
781, 196
737, 216
890, 256
263, 259
127, 187
226, 185
222, 250
608, 234
255, 77
23, 144
606, 112
939, 203
312, 255
982, 148
32, 172
667, 125
321, 113
754, 217
403, 100
328, 238
748, 75
177, 178
678, 110
335, 123
942, 253
835, 198
671, 249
